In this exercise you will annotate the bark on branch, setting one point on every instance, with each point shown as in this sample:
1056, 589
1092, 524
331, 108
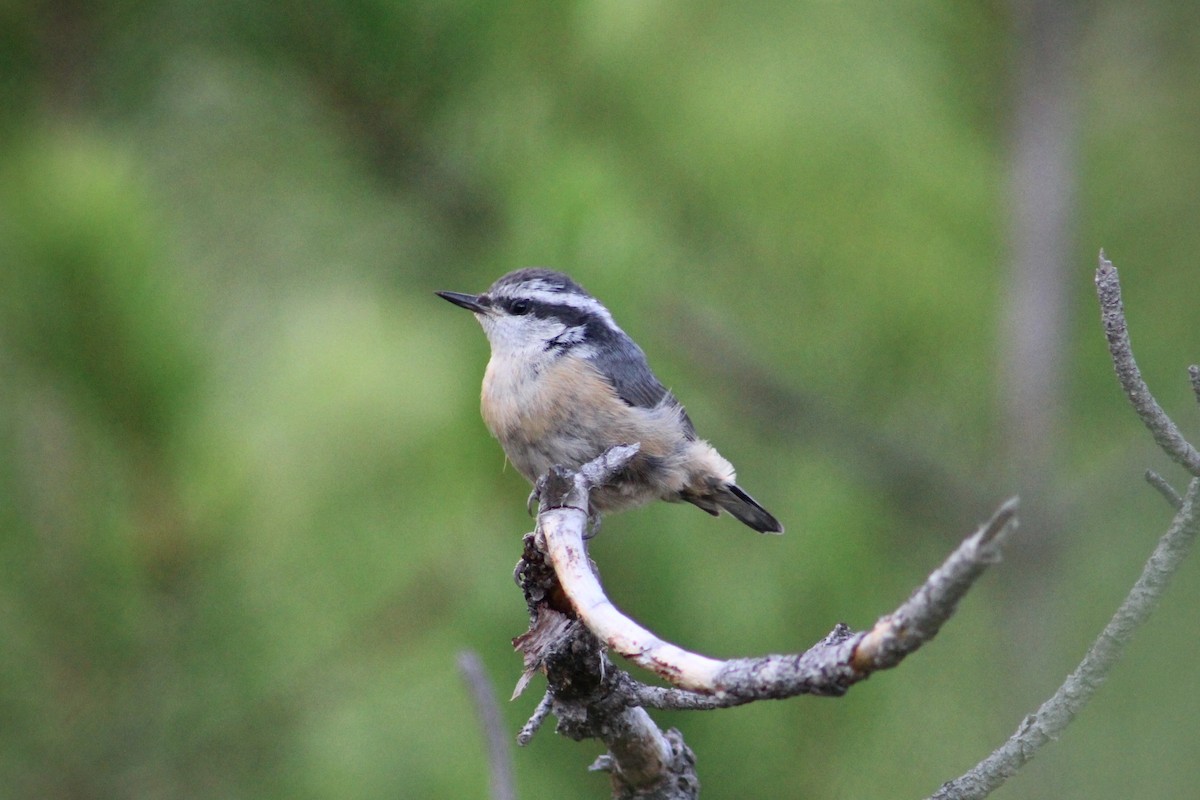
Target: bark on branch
574, 625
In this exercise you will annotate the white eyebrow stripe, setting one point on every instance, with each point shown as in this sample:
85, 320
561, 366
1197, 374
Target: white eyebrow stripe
534, 291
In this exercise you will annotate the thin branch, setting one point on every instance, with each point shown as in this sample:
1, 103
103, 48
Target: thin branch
1048, 722
918, 620
1194, 376
1112, 313
668, 697
500, 767
535, 721
1164, 488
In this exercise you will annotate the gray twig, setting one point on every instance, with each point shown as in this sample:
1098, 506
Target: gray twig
1112, 313
920, 618
1164, 488
535, 722
1048, 722
637, 693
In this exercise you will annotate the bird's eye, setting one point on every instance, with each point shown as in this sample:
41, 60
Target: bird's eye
520, 307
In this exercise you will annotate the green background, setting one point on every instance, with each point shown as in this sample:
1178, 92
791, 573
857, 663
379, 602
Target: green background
249, 513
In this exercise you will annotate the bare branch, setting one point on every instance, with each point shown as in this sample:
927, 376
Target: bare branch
535, 721
1112, 313
600, 470
1194, 376
500, 767
586, 697
1164, 488
918, 620
1048, 722
666, 697
574, 625
829, 668
581, 678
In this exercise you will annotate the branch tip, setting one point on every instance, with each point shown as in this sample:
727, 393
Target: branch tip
1116, 330
1002, 523
535, 720
1105, 268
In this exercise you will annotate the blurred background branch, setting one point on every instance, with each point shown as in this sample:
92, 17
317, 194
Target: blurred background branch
500, 767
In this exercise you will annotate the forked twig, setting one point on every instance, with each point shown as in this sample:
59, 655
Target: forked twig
1048, 722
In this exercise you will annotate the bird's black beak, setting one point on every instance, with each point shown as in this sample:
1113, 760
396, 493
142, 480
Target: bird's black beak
468, 301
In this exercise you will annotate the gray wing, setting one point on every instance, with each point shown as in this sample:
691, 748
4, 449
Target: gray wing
626, 368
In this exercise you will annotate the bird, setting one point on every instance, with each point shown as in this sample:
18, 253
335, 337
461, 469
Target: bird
564, 383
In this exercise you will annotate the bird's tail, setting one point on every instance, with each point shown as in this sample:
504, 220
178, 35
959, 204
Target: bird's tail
744, 508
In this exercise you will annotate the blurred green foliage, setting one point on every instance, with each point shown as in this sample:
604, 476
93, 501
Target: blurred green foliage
248, 511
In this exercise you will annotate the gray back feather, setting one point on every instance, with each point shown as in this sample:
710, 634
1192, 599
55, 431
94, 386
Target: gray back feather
625, 365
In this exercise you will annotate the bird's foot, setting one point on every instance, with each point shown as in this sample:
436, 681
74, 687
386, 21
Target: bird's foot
535, 496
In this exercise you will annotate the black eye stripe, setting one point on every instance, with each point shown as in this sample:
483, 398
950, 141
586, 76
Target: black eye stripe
568, 315
571, 316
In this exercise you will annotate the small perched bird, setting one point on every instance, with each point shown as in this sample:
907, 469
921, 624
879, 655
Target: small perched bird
565, 383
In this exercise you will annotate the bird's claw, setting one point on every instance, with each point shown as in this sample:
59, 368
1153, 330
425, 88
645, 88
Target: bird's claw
535, 496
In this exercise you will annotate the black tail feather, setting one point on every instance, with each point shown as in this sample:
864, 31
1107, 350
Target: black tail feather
742, 506
746, 509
